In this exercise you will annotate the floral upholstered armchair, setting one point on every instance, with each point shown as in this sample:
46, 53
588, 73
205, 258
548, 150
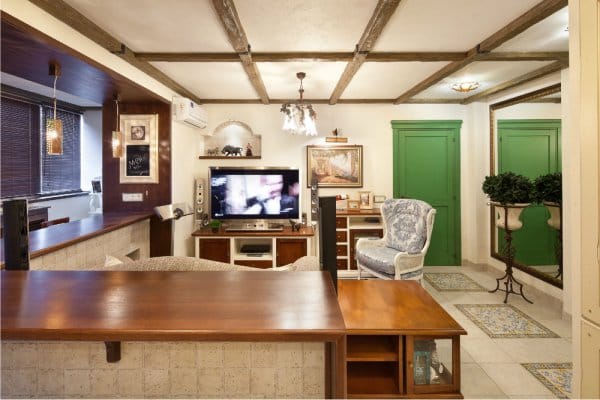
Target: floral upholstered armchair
401, 252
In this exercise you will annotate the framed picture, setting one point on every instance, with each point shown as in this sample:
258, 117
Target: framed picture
365, 200
353, 205
139, 163
378, 198
334, 166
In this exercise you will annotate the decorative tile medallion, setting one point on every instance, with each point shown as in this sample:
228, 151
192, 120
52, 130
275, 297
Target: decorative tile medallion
453, 282
555, 376
504, 321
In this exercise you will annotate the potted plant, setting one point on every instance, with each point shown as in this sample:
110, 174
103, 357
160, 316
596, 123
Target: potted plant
549, 192
512, 192
214, 225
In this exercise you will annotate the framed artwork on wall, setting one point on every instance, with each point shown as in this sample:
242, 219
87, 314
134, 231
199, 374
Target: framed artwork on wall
334, 166
139, 163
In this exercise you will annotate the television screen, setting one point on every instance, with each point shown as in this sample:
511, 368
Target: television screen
248, 193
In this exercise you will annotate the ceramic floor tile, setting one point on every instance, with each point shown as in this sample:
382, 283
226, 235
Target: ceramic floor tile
514, 380
561, 327
536, 350
540, 310
475, 383
484, 350
473, 330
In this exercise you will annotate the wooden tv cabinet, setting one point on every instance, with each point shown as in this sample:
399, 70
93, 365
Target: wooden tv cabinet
400, 342
282, 247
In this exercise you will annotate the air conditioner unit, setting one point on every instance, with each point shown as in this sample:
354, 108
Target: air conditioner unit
188, 112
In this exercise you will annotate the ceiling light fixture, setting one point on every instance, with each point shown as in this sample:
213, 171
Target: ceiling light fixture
117, 135
464, 87
299, 117
54, 127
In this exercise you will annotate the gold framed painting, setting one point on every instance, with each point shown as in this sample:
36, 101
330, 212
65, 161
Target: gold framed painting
139, 163
334, 166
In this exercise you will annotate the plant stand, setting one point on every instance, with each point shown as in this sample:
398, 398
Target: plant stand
508, 252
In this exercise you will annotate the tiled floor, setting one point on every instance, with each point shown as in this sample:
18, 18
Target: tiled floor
491, 368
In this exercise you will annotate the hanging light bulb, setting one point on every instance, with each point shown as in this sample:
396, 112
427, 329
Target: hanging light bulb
299, 118
117, 135
54, 126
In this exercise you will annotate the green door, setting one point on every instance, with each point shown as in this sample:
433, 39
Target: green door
427, 167
531, 148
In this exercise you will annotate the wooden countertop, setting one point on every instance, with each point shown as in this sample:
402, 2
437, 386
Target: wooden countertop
150, 305
46, 240
393, 307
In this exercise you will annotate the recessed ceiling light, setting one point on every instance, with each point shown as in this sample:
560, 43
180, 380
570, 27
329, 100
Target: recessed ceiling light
465, 87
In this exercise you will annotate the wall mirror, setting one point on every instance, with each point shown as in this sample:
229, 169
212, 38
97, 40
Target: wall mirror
525, 138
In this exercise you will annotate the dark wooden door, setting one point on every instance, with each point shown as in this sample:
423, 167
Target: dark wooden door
215, 249
289, 250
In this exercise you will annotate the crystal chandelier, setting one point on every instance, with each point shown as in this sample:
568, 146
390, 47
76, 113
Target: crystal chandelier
299, 117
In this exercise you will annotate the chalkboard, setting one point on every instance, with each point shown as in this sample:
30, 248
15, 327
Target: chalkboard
138, 160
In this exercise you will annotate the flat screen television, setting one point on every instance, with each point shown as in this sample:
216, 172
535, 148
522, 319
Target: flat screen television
250, 193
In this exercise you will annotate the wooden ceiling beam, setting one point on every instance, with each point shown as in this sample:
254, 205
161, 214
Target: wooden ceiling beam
539, 12
67, 14
304, 56
382, 14
530, 76
326, 101
526, 20
524, 56
230, 21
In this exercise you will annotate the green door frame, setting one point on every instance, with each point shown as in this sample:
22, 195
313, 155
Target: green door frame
452, 128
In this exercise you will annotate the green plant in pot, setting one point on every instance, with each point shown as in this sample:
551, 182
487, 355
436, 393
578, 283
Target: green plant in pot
549, 192
509, 193
214, 225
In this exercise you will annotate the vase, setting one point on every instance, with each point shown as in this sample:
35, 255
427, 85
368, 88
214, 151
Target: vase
513, 215
554, 209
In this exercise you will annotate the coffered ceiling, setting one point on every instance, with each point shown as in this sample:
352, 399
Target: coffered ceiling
353, 51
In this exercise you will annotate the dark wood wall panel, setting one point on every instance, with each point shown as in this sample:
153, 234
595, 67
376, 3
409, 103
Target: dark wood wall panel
154, 194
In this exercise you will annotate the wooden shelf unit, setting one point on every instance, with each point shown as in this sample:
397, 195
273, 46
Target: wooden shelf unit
284, 247
350, 226
381, 343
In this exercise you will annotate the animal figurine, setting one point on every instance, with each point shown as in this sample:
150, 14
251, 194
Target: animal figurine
213, 152
230, 150
295, 225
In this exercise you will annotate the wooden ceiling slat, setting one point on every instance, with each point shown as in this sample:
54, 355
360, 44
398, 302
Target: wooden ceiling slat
381, 16
530, 76
526, 20
67, 14
326, 101
230, 21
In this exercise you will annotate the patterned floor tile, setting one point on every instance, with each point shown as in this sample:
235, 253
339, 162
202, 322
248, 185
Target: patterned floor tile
555, 376
453, 282
504, 321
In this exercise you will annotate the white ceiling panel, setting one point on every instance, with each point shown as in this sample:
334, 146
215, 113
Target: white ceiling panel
308, 25
550, 34
281, 81
211, 80
488, 74
443, 25
158, 25
388, 80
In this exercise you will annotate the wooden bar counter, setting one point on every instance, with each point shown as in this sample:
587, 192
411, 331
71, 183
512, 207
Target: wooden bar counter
114, 306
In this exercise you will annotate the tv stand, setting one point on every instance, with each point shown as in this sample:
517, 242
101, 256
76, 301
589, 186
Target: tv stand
279, 246
254, 227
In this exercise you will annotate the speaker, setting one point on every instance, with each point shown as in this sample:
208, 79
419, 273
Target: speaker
199, 205
327, 239
16, 234
314, 201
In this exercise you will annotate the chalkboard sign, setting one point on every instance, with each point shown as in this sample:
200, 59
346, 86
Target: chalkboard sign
138, 160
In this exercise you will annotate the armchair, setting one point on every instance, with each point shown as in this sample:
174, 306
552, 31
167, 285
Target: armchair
400, 254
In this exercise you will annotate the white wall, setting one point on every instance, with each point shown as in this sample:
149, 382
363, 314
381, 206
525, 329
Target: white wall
75, 208
91, 147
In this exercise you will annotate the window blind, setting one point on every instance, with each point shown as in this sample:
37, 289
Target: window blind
20, 148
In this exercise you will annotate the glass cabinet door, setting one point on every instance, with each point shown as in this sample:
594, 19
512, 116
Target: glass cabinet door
433, 364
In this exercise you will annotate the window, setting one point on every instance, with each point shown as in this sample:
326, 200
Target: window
26, 168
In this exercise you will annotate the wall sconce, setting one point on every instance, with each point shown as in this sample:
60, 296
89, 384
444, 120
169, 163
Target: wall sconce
54, 127
117, 135
173, 211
